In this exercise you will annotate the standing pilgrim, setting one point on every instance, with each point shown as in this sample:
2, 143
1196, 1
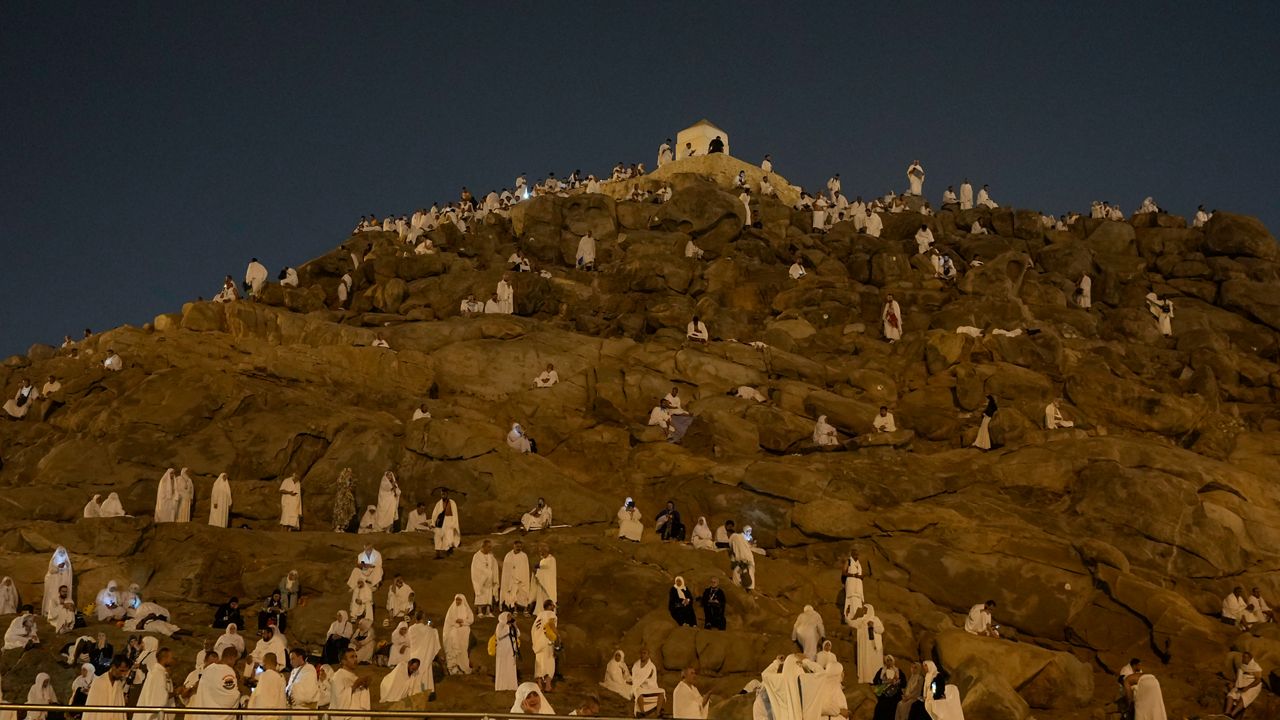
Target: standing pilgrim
983, 441
891, 314
166, 498
108, 690
186, 491
485, 575
220, 502
157, 689
966, 195
1084, 292
344, 501
255, 276
742, 559
448, 535
8, 596
388, 509
915, 177
853, 590
59, 575
515, 580
587, 252
868, 631
506, 653
506, 295
544, 577
457, 634
808, 632
291, 503
1162, 310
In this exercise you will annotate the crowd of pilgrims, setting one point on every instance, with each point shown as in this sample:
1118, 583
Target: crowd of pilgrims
274, 675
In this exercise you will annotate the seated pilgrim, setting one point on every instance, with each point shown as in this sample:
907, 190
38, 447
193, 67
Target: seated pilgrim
824, 434
518, 441
548, 377
883, 422
697, 330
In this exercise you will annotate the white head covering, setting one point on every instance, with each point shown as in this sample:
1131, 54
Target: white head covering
93, 508
458, 611
678, 583
41, 692
524, 691
111, 507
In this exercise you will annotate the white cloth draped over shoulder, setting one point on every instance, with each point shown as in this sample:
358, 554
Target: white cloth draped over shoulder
220, 502
617, 676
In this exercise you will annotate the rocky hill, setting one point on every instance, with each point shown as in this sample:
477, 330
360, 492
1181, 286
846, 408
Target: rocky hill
1114, 539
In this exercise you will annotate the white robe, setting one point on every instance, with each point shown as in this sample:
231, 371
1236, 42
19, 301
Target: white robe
868, 632
55, 577
808, 631
19, 634
873, 225
824, 435
220, 502
687, 702
1245, 676
966, 196
541, 521
303, 687
343, 695
506, 297
586, 251
1086, 291
388, 509
218, 688
515, 579
504, 675
915, 178
740, 551
418, 521
546, 379
291, 505
644, 681
1148, 701
255, 276
544, 581
448, 536
1233, 607
186, 491
105, 692
892, 308
884, 423
978, 620
399, 684
485, 578
8, 597
1053, 418
268, 694
701, 538
166, 498
544, 651
629, 525
697, 332
157, 692
398, 599
617, 677
457, 636
854, 596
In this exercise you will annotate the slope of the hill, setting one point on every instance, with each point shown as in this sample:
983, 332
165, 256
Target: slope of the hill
1114, 539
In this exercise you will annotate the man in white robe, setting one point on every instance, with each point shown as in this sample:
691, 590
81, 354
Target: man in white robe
219, 687
388, 508
924, 239
303, 687
915, 178
157, 689
485, 579
539, 518
506, 295
348, 691
1148, 700
448, 534
113, 362
586, 256
891, 316
664, 153
470, 306
854, 594
369, 565
648, 695
745, 199
1084, 292
424, 645
515, 594
108, 690
1257, 610
979, 620
419, 520
630, 526
687, 703
399, 598
255, 277
291, 503
795, 688
984, 198
220, 502
873, 225
1233, 607
966, 195
808, 632
1247, 686
269, 693
544, 577
824, 433
186, 490
548, 378
1201, 218
21, 402
1053, 417
696, 330
404, 680
883, 422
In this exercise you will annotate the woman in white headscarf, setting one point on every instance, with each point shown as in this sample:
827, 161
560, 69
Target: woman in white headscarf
80, 686
517, 440
506, 646
701, 537
388, 508
107, 607
220, 502
629, 525
617, 676
338, 637
369, 521
93, 508
825, 655
59, 574
680, 604
111, 507
399, 644
530, 701
457, 635
41, 693
868, 633
230, 637
166, 497
363, 640
185, 488
824, 434
8, 596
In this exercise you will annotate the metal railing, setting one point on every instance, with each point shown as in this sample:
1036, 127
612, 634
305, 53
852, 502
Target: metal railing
287, 712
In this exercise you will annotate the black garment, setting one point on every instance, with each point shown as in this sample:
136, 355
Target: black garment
680, 605
227, 615
712, 602
991, 406
672, 529
334, 648
887, 699
272, 613
101, 658
715, 146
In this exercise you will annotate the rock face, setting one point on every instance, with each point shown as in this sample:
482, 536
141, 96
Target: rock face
1116, 538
